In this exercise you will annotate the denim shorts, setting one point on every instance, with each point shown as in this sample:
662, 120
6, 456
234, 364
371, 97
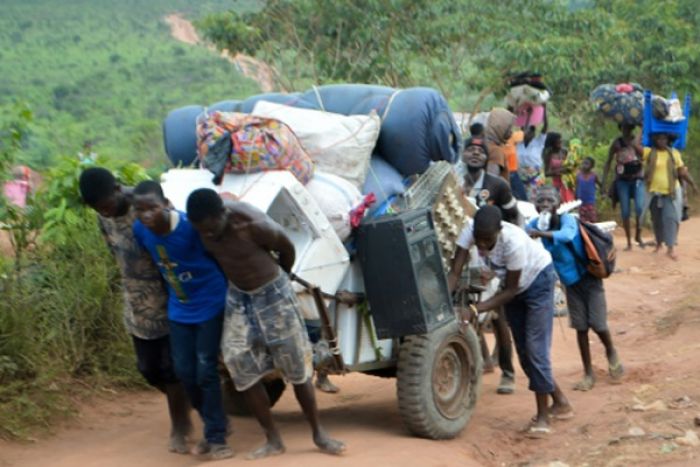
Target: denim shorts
628, 190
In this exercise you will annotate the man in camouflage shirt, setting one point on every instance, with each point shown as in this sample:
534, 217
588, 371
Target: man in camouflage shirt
145, 295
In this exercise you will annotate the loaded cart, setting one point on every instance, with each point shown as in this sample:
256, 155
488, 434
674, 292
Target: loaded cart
381, 297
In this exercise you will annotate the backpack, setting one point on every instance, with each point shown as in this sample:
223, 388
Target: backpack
599, 248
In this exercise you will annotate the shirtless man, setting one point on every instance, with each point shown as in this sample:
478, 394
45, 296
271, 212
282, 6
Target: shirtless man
263, 329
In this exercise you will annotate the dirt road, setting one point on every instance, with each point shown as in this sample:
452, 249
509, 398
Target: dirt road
183, 31
655, 320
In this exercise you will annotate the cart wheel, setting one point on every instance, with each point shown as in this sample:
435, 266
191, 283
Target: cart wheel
439, 379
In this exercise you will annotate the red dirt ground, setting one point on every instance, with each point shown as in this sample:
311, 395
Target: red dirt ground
655, 321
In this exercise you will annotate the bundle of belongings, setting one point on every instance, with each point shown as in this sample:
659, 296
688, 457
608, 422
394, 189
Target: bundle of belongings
666, 116
240, 143
624, 103
355, 147
526, 96
667, 109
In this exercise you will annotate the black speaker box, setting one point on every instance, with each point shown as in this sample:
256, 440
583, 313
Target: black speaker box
403, 274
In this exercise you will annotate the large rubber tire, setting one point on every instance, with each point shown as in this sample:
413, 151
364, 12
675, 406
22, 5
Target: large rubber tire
234, 401
439, 380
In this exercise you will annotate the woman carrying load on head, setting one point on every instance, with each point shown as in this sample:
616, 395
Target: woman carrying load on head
663, 170
626, 152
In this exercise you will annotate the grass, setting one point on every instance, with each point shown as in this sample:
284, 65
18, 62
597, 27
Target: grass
61, 331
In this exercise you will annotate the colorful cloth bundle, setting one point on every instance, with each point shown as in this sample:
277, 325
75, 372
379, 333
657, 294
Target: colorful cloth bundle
241, 143
623, 103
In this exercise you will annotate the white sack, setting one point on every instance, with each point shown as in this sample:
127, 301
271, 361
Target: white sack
336, 197
338, 144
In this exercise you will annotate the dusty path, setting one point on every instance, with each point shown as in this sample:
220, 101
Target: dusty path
655, 320
183, 30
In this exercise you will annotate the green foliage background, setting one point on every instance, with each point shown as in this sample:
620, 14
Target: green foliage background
467, 48
75, 71
106, 71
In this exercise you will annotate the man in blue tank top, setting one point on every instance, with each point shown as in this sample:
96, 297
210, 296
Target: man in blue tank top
196, 301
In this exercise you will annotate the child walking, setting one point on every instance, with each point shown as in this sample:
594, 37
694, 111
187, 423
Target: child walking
554, 158
587, 183
585, 294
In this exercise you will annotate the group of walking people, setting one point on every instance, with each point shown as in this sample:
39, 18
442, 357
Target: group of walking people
655, 179
652, 179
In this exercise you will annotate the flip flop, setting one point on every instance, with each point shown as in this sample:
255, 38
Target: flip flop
538, 432
562, 416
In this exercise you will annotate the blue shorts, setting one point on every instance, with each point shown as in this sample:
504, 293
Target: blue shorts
628, 190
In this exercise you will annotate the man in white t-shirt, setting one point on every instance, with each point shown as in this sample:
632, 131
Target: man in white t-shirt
526, 269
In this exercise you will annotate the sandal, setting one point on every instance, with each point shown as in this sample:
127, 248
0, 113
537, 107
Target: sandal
538, 432
586, 384
616, 370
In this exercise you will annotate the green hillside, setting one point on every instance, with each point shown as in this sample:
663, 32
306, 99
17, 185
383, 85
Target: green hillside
107, 72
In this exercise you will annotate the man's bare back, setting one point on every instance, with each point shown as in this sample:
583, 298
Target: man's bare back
245, 246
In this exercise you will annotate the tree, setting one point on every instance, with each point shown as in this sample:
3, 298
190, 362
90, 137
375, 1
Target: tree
469, 47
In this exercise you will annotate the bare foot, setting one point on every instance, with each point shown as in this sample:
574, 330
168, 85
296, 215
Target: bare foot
220, 451
658, 248
628, 248
202, 447
672, 254
328, 445
269, 449
178, 443
586, 384
324, 384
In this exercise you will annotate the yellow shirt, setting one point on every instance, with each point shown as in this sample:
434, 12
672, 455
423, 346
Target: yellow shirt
660, 182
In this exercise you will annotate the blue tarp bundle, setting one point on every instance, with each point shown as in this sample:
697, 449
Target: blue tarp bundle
417, 124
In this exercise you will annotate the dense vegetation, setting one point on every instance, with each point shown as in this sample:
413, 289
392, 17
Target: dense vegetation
106, 72
468, 48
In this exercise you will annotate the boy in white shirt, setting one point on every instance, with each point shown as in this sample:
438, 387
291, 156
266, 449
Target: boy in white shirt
526, 269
